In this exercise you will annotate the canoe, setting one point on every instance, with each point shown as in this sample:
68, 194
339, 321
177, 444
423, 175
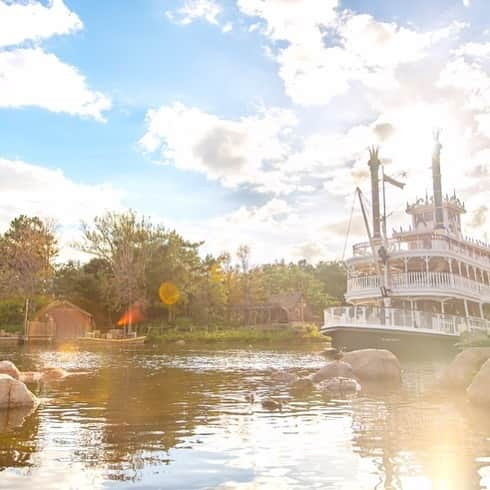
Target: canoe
98, 341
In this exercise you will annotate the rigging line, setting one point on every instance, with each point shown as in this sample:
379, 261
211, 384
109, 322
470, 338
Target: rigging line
348, 226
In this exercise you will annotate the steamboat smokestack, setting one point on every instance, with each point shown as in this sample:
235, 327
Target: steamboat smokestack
374, 164
437, 184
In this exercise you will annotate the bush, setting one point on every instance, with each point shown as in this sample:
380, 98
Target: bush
11, 313
184, 322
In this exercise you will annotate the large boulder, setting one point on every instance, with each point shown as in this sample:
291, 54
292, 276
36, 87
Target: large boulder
479, 389
463, 368
374, 365
14, 393
334, 369
7, 367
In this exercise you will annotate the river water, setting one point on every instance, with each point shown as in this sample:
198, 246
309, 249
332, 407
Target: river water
181, 420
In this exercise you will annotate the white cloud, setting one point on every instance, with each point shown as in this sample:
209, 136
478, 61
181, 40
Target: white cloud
227, 27
275, 230
328, 50
471, 79
474, 49
297, 21
234, 152
32, 77
36, 190
21, 21
192, 10
39, 191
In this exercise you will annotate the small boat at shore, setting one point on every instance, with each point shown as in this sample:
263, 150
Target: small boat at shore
119, 342
9, 340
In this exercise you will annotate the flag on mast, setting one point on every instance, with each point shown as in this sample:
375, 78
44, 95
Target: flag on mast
393, 181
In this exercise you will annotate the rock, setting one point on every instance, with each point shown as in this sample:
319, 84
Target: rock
30, 376
340, 385
374, 365
7, 367
283, 376
479, 390
14, 393
463, 368
53, 373
329, 353
271, 404
14, 417
302, 384
334, 369
180, 342
56, 374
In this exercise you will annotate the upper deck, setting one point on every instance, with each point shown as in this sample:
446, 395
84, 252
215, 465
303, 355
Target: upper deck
415, 244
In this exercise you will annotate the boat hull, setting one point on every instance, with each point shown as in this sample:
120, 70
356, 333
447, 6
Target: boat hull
100, 342
397, 341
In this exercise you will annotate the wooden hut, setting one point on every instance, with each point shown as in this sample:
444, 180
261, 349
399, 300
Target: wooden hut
280, 308
289, 307
60, 321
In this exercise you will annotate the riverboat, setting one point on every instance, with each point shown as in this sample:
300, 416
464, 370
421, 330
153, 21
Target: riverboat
421, 287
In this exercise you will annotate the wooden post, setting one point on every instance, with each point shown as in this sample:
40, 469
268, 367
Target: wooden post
26, 317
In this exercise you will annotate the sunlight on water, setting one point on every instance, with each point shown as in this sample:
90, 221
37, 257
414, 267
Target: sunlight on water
182, 420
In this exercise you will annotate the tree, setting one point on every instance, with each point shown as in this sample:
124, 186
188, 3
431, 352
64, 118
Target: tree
28, 249
127, 244
85, 286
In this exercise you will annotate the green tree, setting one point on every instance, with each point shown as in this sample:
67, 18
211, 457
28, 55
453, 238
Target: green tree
28, 250
127, 244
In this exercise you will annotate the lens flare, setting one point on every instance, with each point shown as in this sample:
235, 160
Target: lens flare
169, 293
133, 315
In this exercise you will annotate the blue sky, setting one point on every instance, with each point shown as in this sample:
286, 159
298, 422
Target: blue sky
240, 121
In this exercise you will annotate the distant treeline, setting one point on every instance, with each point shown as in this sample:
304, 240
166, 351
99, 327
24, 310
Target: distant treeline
130, 260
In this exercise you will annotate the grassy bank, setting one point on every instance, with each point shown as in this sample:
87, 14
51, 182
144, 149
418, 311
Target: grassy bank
300, 333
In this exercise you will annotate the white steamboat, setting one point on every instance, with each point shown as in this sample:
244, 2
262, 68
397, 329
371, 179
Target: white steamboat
425, 286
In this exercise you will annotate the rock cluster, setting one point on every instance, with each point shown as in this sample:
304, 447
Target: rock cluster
13, 391
375, 366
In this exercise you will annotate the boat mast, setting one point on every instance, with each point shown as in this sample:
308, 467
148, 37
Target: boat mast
370, 237
385, 235
374, 164
436, 183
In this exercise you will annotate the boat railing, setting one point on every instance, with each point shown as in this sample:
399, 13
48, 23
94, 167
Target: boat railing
428, 242
421, 280
396, 318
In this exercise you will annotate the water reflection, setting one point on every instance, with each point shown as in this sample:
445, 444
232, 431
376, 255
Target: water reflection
182, 420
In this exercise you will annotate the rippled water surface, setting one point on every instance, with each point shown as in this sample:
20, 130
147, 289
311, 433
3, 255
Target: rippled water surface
181, 420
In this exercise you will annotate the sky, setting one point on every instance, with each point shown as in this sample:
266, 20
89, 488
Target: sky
240, 121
